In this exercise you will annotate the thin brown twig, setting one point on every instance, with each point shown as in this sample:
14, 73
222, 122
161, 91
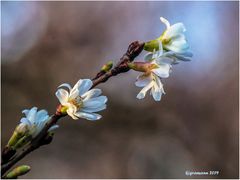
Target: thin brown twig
134, 49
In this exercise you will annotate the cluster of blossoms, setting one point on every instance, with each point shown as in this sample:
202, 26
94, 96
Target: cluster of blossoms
82, 101
78, 102
30, 126
169, 49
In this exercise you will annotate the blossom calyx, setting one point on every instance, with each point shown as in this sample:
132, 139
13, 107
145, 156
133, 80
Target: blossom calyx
152, 45
142, 66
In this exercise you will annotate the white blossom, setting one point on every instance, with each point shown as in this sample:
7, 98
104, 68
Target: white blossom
174, 42
34, 122
150, 82
165, 56
80, 101
156, 68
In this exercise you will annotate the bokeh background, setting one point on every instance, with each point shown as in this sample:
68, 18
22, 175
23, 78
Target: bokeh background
193, 128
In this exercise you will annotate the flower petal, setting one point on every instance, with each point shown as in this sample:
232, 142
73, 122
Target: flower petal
178, 37
38, 127
143, 80
182, 44
89, 109
159, 83
175, 48
142, 93
88, 116
164, 60
165, 21
180, 56
74, 93
32, 114
91, 94
25, 121
148, 57
25, 111
42, 115
187, 54
95, 102
84, 86
71, 112
62, 96
174, 30
156, 92
53, 128
162, 71
76, 86
65, 85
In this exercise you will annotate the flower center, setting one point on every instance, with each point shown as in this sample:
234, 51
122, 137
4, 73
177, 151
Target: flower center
164, 39
78, 102
153, 66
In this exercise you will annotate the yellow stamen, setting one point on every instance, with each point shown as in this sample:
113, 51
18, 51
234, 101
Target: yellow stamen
77, 102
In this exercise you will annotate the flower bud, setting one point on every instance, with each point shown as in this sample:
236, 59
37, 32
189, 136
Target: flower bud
22, 141
19, 171
151, 45
18, 133
142, 66
106, 67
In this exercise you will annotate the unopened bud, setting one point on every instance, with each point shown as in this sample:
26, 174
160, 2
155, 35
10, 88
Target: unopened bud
142, 66
18, 133
151, 45
106, 67
19, 171
22, 141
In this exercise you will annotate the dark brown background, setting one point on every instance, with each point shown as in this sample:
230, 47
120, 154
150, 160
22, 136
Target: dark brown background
194, 127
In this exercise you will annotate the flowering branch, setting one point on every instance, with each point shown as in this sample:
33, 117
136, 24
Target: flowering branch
84, 100
134, 50
40, 140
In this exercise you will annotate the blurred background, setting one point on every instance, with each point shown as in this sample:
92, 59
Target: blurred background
193, 128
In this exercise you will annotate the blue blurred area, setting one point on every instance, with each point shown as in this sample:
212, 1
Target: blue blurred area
22, 24
15, 16
212, 29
